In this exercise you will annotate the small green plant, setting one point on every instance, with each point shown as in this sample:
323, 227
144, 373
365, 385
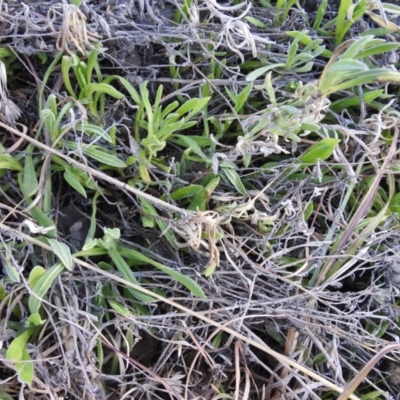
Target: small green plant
348, 14
293, 61
18, 353
349, 68
117, 254
160, 124
282, 10
92, 93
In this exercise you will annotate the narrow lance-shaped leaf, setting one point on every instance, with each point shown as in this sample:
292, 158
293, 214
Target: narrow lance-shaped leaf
65, 67
18, 353
34, 276
42, 286
192, 145
92, 88
127, 274
151, 211
29, 180
7, 161
243, 96
252, 76
74, 183
319, 151
234, 178
186, 281
63, 252
99, 155
11, 270
186, 192
4, 395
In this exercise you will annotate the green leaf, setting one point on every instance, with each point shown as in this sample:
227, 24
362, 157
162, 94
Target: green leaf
199, 203
35, 320
342, 23
305, 68
276, 336
184, 280
378, 49
14, 351
217, 340
382, 75
104, 157
25, 368
234, 178
4, 395
119, 308
320, 14
186, 192
92, 61
66, 64
199, 140
96, 153
201, 103
157, 108
192, 145
42, 219
63, 252
10, 270
293, 47
342, 15
319, 359
348, 102
42, 286
358, 45
374, 395
190, 106
7, 161
127, 274
149, 209
34, 276
5, 52
210, 268
202, 197
128, 86
247, 160
90, 129
242, 97
105, 266
48, 118
255, 22
91, 88
30, 183
74, 183
93, 221
394, 205
308, 210
169, 111
153, 144
349, 66
18, 354
252, 76
391, 8
308, 41
319, 151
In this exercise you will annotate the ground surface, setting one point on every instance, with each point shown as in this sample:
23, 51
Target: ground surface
199, 200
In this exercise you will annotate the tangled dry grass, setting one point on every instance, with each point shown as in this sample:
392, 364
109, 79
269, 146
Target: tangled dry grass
298, 262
